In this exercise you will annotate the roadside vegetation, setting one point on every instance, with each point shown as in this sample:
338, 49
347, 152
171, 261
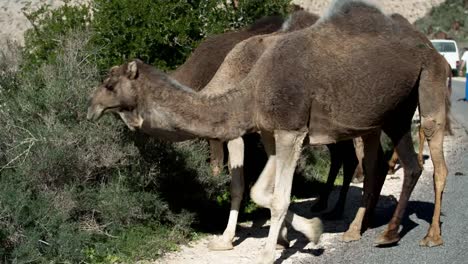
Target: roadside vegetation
450, 17
72, 191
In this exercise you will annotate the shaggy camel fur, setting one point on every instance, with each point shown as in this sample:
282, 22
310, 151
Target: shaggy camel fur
291, 98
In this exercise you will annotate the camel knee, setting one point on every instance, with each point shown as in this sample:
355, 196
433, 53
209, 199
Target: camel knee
430, 126
413, 173
279, 206
261, 197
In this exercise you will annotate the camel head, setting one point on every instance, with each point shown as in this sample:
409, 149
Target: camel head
116, 94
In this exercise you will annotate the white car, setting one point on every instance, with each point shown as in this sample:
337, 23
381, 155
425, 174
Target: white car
448, 49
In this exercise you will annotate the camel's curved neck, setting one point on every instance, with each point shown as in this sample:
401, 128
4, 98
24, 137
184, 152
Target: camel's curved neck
177, 113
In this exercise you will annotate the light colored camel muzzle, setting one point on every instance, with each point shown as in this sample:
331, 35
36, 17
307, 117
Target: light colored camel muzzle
94, 112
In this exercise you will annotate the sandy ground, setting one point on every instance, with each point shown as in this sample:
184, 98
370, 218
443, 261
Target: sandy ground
13, 23
411, 9
252, 236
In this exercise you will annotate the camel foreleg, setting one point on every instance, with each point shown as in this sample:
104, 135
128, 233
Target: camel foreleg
216, 156
236, 163
287, 150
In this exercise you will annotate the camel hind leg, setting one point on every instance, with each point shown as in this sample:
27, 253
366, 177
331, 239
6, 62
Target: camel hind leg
375, 170
216, 156
350, 163
412, 172
392, 162
434, 107
433, 237
336, 160
422, 138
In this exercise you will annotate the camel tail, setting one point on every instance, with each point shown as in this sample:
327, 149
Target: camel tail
435, 85
448, 103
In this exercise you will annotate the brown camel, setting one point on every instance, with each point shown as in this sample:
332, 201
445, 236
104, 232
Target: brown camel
203, 63
198, 70
290, 95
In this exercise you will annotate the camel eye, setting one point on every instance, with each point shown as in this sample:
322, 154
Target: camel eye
109, 87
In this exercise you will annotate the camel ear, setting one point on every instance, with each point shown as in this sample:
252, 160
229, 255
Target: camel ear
132, 70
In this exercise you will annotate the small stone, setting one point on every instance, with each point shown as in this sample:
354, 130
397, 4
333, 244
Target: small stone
459, 173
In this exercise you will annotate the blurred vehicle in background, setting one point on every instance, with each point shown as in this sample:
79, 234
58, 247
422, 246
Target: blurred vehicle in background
448, 48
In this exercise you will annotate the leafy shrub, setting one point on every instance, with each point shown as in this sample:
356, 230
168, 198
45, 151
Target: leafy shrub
442, 17
163, 33
71, 190
49, 27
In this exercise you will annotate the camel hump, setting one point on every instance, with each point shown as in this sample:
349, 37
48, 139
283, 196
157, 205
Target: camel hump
353, 17
266, 25
400, 19
298, 20
338, 8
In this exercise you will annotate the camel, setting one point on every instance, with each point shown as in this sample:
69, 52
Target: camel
203, 63
290, 97
198, 70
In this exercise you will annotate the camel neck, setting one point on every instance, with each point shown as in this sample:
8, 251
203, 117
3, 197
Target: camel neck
178, 113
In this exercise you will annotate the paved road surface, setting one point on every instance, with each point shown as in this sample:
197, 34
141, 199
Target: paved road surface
459, 108
455, 216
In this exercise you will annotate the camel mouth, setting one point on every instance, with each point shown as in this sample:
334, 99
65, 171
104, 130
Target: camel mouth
95, 113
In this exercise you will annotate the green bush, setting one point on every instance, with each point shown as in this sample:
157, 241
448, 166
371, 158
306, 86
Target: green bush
49, 26
71, 190
442, 17
163, 33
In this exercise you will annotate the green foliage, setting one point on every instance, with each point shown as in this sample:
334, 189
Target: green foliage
163, 33
49, 27
442, 17
71, 190
315, 163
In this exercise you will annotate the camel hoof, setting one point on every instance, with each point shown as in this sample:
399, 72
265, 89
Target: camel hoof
220, 244
431, 241
351, 235
314, 230
318, 207
387, 238
266, 258
359, 179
